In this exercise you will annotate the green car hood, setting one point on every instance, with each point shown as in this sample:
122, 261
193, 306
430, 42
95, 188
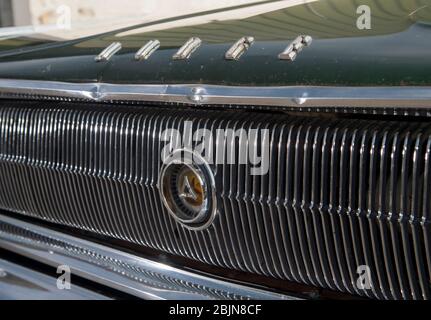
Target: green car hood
396, 51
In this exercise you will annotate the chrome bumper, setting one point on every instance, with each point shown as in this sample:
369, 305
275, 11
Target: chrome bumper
119, 270
20, 283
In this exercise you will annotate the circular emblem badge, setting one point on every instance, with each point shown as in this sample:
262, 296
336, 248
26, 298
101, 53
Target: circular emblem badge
187, 188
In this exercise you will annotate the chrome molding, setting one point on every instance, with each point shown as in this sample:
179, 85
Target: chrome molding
238, 49
108, 52
187, 49
147, 50
125, 272
297, 96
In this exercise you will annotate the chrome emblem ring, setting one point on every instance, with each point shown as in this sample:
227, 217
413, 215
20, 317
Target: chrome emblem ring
187, 189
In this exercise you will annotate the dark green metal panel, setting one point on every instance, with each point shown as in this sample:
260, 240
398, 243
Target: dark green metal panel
395, 51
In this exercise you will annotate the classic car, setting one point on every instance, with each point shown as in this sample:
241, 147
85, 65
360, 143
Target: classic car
271, 150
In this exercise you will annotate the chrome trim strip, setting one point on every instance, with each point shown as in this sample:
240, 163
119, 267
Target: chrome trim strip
21, 283
187, 49
147, 50
108, 52
238, 49
125, 272
294, 96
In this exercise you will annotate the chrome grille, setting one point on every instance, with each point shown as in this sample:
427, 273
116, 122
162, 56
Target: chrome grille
338, 194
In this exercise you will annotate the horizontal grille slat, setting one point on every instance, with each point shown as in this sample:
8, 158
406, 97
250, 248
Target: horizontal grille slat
339, 193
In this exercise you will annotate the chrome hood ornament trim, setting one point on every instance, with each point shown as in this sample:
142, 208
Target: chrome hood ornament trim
295, 47
187, 49
147, 50
108, 52
238, 49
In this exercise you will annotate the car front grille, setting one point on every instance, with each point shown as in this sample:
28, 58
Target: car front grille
339, 194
